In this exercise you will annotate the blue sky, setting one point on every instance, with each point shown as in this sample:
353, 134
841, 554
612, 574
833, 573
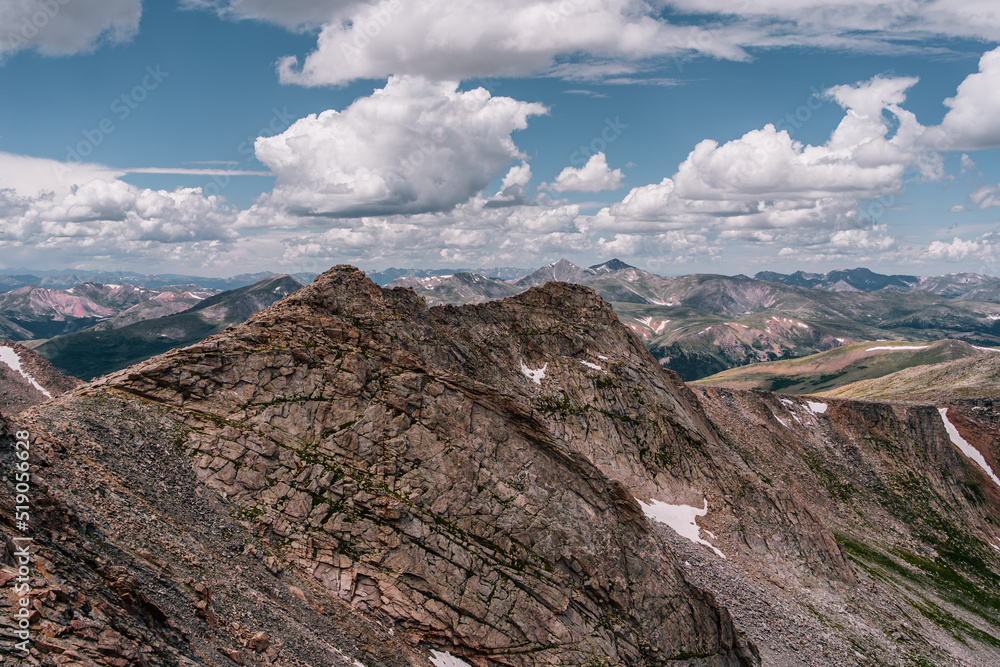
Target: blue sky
218, 137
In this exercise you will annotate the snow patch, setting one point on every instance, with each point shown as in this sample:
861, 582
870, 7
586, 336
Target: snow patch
816, 408
897, 348
680, 518
9, 356
602, 357
841, 340
781, 421
535, 376
966, 447
445, 659
987, 349
590, 365
993, 317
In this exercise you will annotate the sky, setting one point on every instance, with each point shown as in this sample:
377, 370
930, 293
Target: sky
218, 137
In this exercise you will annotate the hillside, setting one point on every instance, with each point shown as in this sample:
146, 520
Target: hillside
846, 364
350, 477
973, 377
94, 352
27, 378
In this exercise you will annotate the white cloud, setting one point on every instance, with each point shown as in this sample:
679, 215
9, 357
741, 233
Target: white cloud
986, 196
293, 14
459, 40
766, 187
64, 27
471, 233
513, 188
959, 249
973, 121
968, 164
51, 204
591, 39
411, 147
877, 25
594, 176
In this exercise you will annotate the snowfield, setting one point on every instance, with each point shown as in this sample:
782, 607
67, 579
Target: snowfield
965, 447
680, 518
9, 356
535, 375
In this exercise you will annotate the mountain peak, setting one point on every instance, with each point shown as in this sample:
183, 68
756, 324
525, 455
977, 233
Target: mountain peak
611, 265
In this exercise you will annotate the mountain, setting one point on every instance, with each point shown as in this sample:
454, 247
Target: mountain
66, 278
458, 288
389, 275
173, 299
844, 280
846, 364
959, 380
48, 312
94, 352
27, 378
563, 271
350, 476
719, 322
953, 286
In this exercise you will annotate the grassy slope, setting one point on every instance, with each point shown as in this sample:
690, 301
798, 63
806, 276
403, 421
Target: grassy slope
840, 366
971, 377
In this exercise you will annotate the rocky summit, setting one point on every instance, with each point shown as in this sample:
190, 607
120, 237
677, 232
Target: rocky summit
353, 478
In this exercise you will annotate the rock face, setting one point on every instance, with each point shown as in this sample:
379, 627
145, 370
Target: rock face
27, 378
359, 477
402, 458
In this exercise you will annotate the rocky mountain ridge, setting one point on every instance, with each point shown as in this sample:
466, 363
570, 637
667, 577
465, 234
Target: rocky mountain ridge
491, 481
698, 325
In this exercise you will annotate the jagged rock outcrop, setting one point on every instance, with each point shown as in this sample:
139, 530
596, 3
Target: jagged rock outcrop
27, 378
402, 458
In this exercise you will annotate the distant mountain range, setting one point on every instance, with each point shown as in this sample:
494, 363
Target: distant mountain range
700, 324
696, 325
96, 351
62, 279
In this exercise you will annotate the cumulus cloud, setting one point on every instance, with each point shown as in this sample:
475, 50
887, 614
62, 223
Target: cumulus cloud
767, 187
590, 39
973, 121
473, 232
458, 40
959, 249
411, 147
64, 27
48, 203
594, 176
513, 188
